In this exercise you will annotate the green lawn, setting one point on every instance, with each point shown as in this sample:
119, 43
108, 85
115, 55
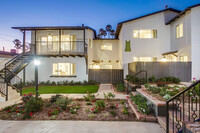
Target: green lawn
62, 89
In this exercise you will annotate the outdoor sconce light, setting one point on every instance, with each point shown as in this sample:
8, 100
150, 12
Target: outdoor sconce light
163, 59
36, 62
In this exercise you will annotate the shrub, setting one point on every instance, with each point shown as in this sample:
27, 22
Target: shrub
92, 82
53, 83
63, 102
162, 79
154, 89
54, 98
91, 115
26, 97
89, 97
120, 87
100, 105
125, 111
146, 85
113, 113
167, 96
48, 82
54, 112
88, 103
176, 80
152, 79
141, 103
65, 82
113, 107
109, 96
32, 105
73, 111
122, 102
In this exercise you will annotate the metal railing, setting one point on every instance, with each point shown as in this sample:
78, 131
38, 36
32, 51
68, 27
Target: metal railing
183, 107
63, 47
3, 87
142, 75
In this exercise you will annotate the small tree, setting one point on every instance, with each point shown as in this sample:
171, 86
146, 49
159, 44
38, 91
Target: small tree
18, 44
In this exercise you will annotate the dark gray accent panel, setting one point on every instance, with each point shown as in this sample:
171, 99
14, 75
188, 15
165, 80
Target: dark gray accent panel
180, 70
106, 75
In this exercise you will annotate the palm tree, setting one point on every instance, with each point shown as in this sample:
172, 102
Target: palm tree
108, 29
112, 33
101, 32
104, 33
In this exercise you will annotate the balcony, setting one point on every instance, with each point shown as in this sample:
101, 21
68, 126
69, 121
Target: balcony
60, 48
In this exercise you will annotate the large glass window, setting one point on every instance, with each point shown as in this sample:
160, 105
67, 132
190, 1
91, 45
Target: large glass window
144, 59
179, 31
68, 42
64, 69
107, 46
47, 41
144, 33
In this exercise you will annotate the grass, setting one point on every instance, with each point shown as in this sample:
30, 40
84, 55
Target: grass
62, 89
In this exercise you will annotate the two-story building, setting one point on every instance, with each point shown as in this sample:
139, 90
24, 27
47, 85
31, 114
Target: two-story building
73, 53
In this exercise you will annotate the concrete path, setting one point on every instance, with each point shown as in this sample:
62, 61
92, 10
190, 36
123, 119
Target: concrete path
78, 127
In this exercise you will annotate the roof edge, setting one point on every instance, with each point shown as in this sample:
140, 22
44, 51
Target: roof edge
181, 13
119, 25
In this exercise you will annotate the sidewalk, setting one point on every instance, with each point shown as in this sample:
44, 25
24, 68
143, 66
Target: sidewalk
79, 127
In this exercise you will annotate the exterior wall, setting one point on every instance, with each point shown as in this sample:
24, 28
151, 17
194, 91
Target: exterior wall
183, 44
90, 36
145, 47
195, 39
106, 55
46, 69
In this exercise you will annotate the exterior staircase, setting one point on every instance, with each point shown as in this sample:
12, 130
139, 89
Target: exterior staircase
10, 82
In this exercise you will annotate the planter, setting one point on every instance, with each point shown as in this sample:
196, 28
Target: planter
158, 105
140, 116
131, 87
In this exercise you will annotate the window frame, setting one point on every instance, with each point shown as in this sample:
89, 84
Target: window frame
139, 34
178, 31
102, 45
72, 69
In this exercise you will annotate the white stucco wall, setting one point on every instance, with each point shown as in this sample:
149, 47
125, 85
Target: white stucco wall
106, 55
145, 47
46, 69
90, 35
183, 44
195, 39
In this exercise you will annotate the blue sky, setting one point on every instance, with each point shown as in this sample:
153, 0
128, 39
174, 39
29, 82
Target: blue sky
93, 13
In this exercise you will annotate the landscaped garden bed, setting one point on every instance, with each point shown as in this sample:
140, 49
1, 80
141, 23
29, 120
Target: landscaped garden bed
157, 96
143, 110
64, 108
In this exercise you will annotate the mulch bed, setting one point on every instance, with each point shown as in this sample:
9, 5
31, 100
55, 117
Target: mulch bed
84, 112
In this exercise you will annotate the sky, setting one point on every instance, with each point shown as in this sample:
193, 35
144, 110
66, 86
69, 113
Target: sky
94, 13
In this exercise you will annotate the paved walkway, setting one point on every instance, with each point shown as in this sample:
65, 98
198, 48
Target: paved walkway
78, 127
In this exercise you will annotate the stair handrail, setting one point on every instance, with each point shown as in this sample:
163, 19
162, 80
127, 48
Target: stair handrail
20, 89
141, 72
13, 59
175, 97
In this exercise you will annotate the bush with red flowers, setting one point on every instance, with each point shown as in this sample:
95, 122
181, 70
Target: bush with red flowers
26, 97
54, 112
